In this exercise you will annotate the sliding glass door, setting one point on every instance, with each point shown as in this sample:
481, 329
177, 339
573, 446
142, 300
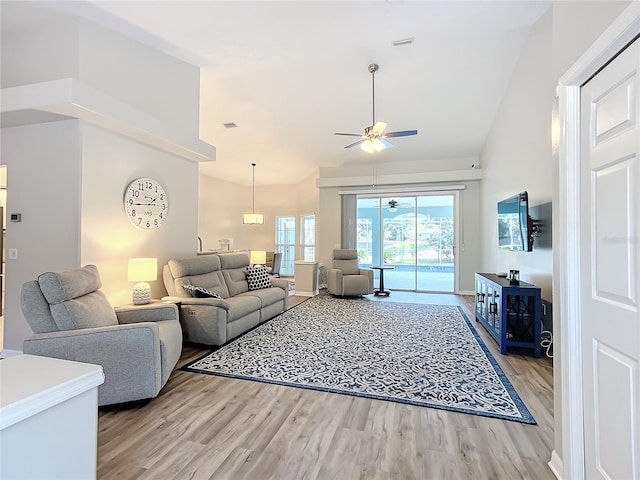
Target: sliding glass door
413, 234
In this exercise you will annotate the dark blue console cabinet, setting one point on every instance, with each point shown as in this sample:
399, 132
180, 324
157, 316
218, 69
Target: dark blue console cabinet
510, 313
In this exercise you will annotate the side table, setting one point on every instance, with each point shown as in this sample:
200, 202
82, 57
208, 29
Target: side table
381, 290
127, 313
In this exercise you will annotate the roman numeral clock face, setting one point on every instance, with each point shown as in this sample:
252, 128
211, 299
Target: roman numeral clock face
146, 203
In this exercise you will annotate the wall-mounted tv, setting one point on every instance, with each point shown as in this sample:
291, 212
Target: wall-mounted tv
514, 224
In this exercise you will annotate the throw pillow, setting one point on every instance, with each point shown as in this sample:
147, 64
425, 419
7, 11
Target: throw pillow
257, 278
200, 292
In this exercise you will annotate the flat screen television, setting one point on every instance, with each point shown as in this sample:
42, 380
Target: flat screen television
514, 224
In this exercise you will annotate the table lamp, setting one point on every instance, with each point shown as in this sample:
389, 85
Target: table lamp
142, 270
258, 257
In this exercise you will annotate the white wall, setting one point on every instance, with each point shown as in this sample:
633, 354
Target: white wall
53, 42
521, 151
222, 203
68, 178
144, 78
109, 239
517, 157
43, 185
576, 25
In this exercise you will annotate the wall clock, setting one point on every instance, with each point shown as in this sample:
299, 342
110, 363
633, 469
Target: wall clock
146, 203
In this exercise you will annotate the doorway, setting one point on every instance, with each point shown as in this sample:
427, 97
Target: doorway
414, 234
581, 278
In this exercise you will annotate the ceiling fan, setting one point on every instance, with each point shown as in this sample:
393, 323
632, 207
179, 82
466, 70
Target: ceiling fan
394, 204
375, 138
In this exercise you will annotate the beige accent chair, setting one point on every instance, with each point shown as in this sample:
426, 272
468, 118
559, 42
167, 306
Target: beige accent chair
346, 278
137, 346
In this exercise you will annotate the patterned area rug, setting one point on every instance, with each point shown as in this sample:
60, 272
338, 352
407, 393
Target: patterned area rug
425, 355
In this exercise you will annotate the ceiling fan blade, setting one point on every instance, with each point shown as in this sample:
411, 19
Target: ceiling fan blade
349, 134
387, 144
356, 143
378, 128
403, 133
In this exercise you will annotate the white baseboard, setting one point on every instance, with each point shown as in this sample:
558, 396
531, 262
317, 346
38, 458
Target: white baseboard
6, 353
555, 464
300, 293
466, 292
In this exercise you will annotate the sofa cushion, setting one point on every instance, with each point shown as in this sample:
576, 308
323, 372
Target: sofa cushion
87, 311
194, 265
257, 278
74, 299
236, 281
36, 309
348, 267
355, 285
212, 281
267, 296
69, 284
241, 306
234, 260
200, 292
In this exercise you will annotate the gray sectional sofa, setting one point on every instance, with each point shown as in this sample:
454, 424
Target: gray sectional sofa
215, 321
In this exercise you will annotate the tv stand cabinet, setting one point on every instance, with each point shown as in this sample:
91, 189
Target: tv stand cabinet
510, 313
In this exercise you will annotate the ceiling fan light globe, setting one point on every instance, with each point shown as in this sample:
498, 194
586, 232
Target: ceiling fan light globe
378, 145
367, 146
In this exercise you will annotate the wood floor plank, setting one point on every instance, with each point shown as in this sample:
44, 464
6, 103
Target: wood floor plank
210, 427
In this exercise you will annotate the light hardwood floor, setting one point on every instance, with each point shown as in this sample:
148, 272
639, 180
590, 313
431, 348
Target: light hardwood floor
202, 427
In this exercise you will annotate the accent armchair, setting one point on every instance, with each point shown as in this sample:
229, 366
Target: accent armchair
137, 346
346, 278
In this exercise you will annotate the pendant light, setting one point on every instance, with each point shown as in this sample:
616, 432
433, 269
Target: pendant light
253, 218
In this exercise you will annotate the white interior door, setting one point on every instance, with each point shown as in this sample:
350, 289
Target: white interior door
610, 272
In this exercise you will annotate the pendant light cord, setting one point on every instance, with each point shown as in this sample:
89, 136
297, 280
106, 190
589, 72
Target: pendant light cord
253, 190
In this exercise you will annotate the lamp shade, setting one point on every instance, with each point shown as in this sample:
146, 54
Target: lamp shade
142, 269
253, 219
258, 257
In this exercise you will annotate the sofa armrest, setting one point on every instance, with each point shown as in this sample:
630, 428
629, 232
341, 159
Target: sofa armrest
151, 312
368, 272
282, 283
129, 355
334, 281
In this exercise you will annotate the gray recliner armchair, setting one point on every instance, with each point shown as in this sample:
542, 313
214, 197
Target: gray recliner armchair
346, 278
137, 346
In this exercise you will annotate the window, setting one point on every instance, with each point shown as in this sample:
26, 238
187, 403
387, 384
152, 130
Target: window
286, 243
308, 237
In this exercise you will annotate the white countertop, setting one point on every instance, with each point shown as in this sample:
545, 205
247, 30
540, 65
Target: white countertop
30, 384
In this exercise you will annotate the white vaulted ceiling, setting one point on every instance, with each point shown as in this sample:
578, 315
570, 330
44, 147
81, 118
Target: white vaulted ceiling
290, 74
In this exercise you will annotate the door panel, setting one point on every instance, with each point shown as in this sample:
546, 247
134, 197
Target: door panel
615, 383
614, 223
609, 244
